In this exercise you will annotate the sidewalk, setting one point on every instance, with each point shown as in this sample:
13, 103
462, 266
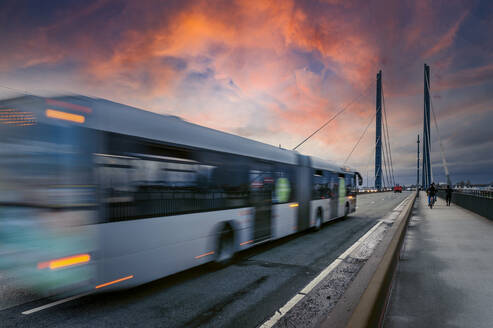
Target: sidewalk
445, 273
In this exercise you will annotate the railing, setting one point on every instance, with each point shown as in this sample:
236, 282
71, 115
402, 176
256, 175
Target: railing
477, 201
369, 191
477, 193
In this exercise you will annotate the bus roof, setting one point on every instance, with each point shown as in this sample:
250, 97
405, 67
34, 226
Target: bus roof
106, 115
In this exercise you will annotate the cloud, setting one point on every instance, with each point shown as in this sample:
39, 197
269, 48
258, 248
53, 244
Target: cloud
274, 71
447, 39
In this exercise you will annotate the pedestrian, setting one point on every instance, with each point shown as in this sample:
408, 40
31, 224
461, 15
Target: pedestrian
448, 193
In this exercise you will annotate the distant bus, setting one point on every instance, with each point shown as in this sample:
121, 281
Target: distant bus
98, 195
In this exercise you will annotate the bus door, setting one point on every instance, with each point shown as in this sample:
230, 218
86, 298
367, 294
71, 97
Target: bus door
261, 187
342, 194
304, 189
334, 197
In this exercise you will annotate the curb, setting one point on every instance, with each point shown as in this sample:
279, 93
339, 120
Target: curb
364, 302
369, 312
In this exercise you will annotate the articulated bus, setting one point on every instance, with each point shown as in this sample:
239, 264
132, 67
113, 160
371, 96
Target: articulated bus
97, 195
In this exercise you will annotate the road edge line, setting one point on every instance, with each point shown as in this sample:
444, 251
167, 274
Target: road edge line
279, 313
370, 308
49, 305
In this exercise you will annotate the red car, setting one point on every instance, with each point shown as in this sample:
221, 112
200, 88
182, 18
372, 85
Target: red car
398, 189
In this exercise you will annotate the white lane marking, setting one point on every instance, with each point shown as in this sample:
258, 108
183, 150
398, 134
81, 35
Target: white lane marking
321, 276
289, 305
359, 241
49, 305
272, 321
302, 293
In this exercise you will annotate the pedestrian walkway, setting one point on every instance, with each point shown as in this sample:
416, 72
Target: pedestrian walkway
445, 273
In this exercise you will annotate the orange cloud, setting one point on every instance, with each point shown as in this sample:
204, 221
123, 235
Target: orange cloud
271, 70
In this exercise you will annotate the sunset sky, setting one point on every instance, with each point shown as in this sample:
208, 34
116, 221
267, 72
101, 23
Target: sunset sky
273, 71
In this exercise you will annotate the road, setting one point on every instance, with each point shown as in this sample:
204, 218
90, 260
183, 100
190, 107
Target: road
243, 294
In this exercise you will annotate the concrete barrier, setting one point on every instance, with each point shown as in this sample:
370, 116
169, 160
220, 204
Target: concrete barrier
364, 302
480, 205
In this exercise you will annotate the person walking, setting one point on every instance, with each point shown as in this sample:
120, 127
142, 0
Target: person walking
448, 193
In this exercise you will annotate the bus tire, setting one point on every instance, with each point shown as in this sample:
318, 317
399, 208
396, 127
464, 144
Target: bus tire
318, 220
225, 249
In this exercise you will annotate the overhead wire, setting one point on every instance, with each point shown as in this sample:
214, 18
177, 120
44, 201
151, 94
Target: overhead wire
359, 140
334, 116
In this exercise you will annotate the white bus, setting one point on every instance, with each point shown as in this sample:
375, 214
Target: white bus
99, 195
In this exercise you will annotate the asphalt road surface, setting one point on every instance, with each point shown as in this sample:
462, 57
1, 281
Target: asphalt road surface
243, 294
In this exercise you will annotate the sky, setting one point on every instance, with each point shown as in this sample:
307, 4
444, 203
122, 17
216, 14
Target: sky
274, 71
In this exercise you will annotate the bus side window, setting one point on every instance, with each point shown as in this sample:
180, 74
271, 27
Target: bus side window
329, 184
335, 184
321, 185
284, 184
350, 183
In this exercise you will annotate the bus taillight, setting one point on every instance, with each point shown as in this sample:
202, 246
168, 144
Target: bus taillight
65, 262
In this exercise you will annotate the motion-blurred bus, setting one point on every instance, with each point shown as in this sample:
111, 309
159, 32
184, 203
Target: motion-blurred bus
98, 195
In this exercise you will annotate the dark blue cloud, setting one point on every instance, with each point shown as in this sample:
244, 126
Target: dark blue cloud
178, 64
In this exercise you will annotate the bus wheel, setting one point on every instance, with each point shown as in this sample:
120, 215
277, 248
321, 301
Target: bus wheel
346, 210
225, 246
318, 221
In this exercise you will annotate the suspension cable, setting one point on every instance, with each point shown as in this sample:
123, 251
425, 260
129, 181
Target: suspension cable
388, 137
386, 158
372, 155
385, 166
442, 152
429, 133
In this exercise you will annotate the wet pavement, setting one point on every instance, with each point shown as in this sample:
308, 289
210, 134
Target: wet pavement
444, 277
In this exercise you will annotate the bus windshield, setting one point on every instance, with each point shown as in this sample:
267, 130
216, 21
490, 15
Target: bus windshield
46, 195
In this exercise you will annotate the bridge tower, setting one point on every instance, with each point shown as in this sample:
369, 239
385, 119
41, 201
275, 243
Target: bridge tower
426, 168
378, 135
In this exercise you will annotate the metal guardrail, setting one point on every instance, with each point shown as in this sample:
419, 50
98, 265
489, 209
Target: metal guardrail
477, 193
477, 201
370, 191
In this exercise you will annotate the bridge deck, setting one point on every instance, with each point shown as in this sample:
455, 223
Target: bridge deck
444, 277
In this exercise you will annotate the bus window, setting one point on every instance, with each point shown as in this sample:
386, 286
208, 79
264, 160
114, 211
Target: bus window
140, 179
350, 184
321, 185
284, 184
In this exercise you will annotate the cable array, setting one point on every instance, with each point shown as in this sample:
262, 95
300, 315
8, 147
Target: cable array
387, 149
442, 152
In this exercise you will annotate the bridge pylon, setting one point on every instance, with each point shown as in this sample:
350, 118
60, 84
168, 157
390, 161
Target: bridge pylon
426, 167
378, 134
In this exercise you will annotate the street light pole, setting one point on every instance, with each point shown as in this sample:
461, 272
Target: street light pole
417, 175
